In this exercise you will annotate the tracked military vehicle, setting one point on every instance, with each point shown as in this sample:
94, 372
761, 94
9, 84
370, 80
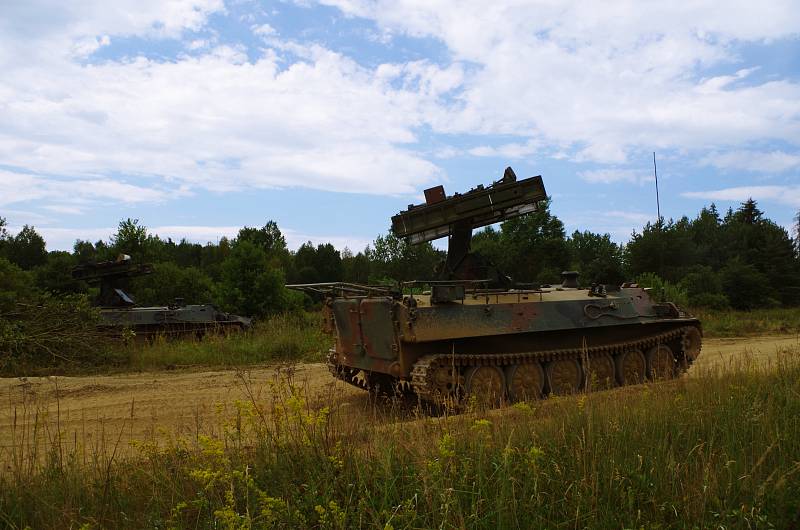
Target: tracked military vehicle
118, 310
474, 333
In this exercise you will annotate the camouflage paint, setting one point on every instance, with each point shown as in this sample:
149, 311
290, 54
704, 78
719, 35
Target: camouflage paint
386, 335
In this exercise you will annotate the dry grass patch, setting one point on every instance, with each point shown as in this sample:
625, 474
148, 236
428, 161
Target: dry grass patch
717, 449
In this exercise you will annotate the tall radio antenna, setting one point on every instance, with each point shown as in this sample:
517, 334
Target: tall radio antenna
661, 242
655, 172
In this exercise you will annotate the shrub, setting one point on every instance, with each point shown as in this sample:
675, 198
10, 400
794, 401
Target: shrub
710, 301
662, 290
54, 331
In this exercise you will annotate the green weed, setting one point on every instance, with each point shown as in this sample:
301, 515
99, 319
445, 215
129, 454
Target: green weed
719, 449
731, 323
286, 337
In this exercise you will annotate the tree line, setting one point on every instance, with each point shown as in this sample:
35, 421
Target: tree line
740, 259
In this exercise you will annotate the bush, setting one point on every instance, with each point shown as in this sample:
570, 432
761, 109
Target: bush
710, 301
53, 332
662, 290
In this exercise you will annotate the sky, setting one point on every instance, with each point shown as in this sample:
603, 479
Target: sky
198, 117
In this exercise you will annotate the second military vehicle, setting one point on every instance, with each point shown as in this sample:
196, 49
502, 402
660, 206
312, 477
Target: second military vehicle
118, 310
473, 333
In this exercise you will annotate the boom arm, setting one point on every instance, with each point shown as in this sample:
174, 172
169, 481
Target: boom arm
458, 215
441, 215
112, 278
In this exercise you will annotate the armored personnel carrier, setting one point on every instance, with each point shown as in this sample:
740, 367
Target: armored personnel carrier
118, 310
473, 333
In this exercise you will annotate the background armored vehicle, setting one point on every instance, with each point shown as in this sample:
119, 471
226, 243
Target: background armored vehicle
473, 333
118, 310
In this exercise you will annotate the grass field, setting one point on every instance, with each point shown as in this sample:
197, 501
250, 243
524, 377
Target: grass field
298, 337
732, 323
718, 449
291, 336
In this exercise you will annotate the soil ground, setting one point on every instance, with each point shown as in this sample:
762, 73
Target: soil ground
101, 414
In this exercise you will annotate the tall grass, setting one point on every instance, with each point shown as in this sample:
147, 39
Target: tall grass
731, 323
719, 449
291, 336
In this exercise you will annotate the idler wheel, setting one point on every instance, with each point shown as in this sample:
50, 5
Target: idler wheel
631, 367
525, 381
486, 383
691, 343
601, 372
564, 376
660, 363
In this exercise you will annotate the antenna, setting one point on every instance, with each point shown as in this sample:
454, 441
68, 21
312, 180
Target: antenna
655, 172
661, 241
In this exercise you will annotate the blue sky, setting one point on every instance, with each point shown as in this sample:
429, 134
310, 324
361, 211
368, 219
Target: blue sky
200, 116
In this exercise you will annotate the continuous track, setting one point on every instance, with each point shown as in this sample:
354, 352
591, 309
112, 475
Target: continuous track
423, 374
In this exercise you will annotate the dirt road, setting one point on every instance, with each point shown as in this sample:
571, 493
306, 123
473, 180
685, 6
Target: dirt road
100, 412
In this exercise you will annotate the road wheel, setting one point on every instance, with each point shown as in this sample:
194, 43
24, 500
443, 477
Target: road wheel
564, 376
525, 381
486, 384
631, 367
448, 382
601, 372
660, 363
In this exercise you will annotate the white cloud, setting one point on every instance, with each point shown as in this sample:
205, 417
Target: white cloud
605, 78
198, 44
264, 30
87, 46
608, 176
506, 151
219, 122
446, 152
747, 160
578, 80
43, 33
638, 218
63, 238
294, 239
619, 224
788, 195
63, 208
194, 233
17, 218
22, 187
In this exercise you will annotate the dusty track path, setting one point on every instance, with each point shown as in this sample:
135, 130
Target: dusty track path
101, 412
719, 352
